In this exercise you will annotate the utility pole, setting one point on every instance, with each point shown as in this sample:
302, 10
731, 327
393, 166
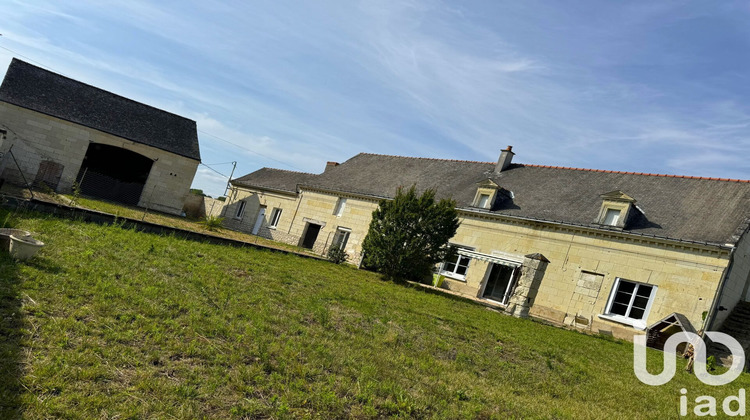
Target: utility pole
234, 166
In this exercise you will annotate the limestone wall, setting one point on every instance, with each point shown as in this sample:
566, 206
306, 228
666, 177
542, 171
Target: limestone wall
584, 265
310, 207
579, 278
736, 284
36, 138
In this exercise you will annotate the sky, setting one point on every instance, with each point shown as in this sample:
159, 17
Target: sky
656, 87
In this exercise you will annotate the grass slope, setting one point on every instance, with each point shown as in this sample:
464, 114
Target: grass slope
110, 323
139, 213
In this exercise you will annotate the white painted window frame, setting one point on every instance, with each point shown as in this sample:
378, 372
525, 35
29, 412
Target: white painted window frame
240, 210
483, 203
340, 206
452, 274
635, 323
617, 218
275, 217
342, 231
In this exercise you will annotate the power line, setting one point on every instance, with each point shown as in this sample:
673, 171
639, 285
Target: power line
215, 170
32, 60
215, 164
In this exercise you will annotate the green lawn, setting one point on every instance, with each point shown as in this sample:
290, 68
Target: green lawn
139, 213
111, 323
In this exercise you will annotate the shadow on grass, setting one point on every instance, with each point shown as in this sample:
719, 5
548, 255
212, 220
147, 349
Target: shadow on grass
12, 325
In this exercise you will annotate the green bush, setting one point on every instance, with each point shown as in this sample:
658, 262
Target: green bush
213, 223
336, 254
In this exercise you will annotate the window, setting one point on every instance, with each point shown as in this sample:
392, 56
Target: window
456, 267
340, 206
240, 210
612, 217
275, 216
342, 237
630, 302
483, 200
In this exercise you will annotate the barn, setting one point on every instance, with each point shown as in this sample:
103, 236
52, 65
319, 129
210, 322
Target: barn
60, 131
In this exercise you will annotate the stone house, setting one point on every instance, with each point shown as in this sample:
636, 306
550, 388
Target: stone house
62, 131
606, 251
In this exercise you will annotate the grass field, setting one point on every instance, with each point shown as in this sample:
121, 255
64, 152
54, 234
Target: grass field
139, 213
109, 323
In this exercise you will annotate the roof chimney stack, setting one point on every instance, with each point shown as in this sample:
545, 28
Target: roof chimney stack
330, 165
505, 157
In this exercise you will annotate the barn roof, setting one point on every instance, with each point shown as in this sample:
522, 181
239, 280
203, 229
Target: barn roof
40, 90
705, 210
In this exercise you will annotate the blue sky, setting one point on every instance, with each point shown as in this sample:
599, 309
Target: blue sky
660, 87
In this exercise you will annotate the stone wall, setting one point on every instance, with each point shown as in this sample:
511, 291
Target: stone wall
297, 211
736, 284
37, 138
583, 264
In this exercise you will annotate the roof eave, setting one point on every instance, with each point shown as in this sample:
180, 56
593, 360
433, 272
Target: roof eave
726, 246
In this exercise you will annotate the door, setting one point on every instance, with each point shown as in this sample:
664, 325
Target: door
500, 283
311, 235
259, 220
49, 174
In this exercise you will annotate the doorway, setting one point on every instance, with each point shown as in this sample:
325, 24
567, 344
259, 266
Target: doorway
258, 220
501, 282
113, 173
311, 235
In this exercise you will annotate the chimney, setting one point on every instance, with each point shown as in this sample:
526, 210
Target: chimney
330, 165
505, 157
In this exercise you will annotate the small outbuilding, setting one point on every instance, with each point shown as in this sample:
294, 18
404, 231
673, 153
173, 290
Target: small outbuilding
62, 131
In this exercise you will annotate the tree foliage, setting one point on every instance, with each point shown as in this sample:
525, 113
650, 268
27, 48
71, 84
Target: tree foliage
409, 234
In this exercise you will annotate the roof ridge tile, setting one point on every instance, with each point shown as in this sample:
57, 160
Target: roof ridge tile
427, 158
290, 171
634, 173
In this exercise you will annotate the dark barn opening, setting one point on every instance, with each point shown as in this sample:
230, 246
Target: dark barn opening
114, 173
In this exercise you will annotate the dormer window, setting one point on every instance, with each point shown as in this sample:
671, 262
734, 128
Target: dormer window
611, 217
486, 194
484, 199
615, 209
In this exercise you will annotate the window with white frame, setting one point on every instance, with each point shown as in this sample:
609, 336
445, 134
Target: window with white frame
340, 206
240, 210
611, 217
483, 200
630, 302
341, 237
456, 267
275, 216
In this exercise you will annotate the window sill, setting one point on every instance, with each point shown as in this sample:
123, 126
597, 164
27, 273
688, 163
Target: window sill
638, 324
237, 218
452, 276
271, 227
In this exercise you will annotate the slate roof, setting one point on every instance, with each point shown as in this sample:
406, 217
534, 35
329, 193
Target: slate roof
684, 208
37, 89
275, 179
